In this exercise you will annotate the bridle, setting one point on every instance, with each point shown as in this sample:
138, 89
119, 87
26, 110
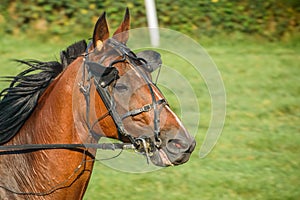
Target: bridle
107, 76
142, 144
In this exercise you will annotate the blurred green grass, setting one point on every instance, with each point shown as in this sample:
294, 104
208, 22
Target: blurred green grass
257, 155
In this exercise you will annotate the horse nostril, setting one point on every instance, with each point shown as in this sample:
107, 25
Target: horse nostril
177, 146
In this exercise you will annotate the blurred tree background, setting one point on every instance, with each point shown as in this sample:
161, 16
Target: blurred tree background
268, 19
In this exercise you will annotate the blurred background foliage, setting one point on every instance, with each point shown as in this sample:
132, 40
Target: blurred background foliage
269, 19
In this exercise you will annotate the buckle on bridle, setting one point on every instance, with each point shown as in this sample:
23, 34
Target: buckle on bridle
146, 108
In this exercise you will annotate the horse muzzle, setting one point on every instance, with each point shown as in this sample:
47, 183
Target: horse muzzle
176, 151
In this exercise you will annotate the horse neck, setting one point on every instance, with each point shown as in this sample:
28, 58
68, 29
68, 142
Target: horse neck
51, 122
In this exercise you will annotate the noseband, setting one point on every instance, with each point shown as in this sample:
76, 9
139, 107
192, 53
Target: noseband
104, 78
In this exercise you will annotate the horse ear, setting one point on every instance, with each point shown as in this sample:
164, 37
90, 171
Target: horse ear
101, 32
121, 33
153, 59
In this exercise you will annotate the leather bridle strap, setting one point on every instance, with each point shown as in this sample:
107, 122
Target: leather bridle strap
125, 52
109, 101
111, 107
103, 146
145, 108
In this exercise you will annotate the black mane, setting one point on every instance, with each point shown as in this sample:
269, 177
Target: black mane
19, 100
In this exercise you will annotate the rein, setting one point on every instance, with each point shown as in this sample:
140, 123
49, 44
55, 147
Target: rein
103, 146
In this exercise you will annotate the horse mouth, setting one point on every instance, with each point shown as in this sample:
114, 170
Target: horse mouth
164, 158
165, 161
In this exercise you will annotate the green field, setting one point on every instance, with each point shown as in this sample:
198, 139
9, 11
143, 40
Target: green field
258, 153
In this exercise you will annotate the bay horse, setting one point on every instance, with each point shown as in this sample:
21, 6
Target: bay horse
52, 109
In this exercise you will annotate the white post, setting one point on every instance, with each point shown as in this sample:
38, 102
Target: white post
152, 22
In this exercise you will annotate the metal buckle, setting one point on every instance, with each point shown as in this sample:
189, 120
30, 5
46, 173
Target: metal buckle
145, 146
147, 107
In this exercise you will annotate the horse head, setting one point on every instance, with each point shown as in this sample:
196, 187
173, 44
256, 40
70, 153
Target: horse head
136, 111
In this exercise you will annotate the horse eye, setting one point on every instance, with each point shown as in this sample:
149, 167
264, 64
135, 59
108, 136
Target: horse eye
120, 87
